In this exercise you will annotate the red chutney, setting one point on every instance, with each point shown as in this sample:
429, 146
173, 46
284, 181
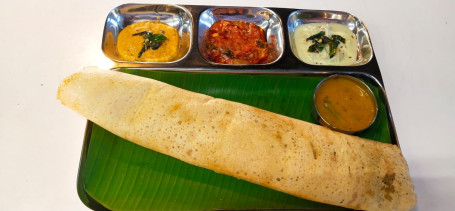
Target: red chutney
238, 42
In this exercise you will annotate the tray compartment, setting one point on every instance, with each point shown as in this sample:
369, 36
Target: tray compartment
127, 14
267, 19
302, 17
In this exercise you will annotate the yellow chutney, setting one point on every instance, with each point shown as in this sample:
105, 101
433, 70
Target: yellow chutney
345, 104
129, 45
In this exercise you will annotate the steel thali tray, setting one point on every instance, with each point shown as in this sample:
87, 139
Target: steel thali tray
115, 174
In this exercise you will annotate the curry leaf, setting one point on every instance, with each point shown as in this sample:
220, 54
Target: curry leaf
317, 47
151, 41
339, 38
316, 36
320, 41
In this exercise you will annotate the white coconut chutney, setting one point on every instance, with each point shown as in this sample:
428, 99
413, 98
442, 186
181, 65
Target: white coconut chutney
346, 53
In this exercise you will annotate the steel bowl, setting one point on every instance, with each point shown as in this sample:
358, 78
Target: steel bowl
302, 17
268, 20
127, 14
360, 84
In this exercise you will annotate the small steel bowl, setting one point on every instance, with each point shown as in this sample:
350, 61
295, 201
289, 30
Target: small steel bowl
302, 17
325, 121
268, 20
127, 14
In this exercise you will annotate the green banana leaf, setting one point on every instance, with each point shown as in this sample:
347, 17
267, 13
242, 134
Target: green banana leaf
116, 174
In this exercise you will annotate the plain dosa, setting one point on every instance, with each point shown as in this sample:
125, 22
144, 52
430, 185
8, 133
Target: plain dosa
262, 147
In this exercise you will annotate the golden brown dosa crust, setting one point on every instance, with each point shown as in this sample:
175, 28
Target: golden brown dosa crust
265, 148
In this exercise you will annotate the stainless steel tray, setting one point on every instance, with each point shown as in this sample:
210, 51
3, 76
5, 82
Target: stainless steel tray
188, 18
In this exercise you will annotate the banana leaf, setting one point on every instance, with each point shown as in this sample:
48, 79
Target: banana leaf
116, 174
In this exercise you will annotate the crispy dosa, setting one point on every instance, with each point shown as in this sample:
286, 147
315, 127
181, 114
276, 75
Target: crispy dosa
279, 152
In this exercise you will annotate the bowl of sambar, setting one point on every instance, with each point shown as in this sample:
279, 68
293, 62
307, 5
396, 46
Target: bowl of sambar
345, 104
